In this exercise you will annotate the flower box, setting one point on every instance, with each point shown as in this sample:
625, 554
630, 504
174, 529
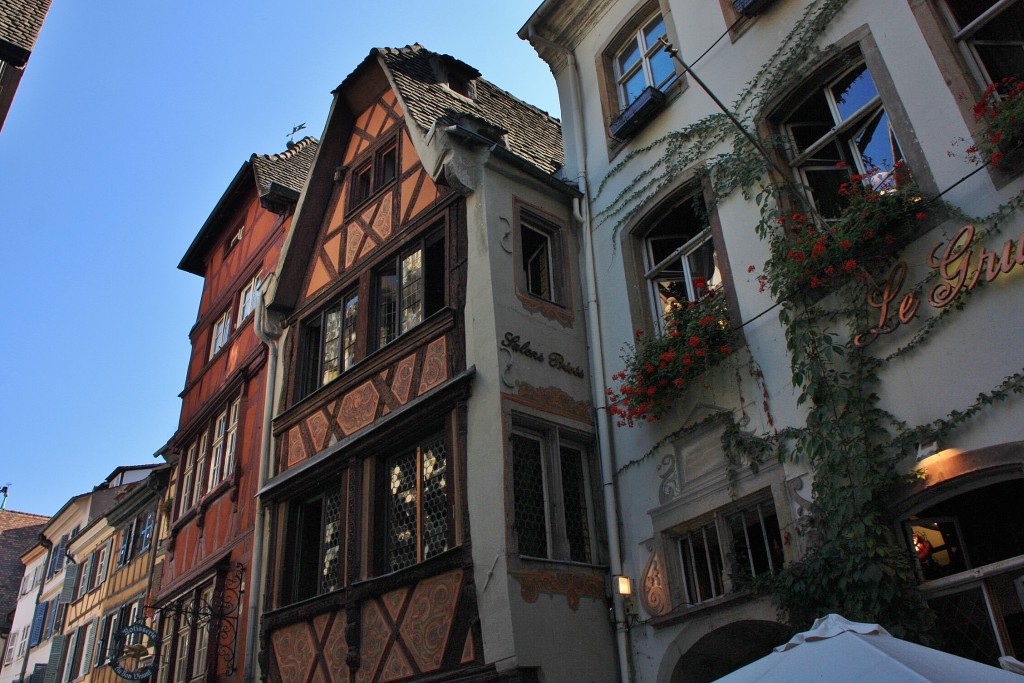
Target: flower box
750, 7
635, 117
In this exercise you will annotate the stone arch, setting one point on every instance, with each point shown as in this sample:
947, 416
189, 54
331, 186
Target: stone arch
705, 654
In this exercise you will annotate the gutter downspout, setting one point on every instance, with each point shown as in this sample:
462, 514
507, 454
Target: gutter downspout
581, 211
48, 544
269, 334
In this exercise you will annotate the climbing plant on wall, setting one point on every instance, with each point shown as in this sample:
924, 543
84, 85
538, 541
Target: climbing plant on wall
819, 273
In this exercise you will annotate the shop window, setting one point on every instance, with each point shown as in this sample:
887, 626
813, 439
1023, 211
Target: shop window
839, 130
969, 549
220, 332
416, 504
990, 34
330, 339
553, 495
409, 288
680, 264
314, 546
717, 557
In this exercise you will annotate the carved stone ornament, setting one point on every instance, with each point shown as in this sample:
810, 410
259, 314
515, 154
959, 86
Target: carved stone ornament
654, 586
572, 586
668, 472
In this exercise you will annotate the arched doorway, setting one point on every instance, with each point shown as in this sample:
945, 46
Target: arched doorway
728, 648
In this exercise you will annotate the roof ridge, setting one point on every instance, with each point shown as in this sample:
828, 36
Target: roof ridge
291, 151
26, 514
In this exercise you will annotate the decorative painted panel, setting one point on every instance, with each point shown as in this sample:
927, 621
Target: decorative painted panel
572, 586
348, 239
356, 409
404, 632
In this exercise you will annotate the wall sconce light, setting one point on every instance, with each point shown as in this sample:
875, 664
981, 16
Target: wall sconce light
623, 585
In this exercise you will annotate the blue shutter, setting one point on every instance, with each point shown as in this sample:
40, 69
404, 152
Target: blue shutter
56, 652
38, 621
67, 593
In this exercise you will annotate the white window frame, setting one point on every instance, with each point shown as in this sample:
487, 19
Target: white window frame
201, 460
216, 460
188, 478
638, 41
963, 36
232, 438
247, 299
220, 333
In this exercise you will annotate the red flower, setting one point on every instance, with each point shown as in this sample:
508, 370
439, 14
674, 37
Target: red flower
818, 250
849, 265
678, 381
997, 157
648, 368
751, 269
668, 356
694, 342
846, 244
868, 234
840, 164
707, 320
830, 270
699, 283
921, 216
815, 282
700, 353
687, 359
724, 350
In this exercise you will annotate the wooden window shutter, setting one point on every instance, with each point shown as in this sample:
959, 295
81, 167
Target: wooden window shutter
67, 593
53, 663
38, 621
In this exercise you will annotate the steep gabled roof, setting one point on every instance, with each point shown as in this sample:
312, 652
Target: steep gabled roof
530, 133
18, 532
289, 168
279, 179
20, 23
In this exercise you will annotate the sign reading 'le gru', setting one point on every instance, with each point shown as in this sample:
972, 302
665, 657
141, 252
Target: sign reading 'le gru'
555, 360
959, 268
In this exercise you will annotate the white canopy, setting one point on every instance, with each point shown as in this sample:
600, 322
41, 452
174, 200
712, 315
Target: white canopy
837, 650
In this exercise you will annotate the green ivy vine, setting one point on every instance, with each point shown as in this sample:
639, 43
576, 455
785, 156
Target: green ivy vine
854, 448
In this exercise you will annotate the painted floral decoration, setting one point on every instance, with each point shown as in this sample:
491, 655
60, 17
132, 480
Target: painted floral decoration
660, 368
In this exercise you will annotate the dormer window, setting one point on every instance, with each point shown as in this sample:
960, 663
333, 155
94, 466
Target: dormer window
458, 82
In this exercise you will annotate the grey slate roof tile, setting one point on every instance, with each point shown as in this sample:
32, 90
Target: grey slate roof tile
20, 23
530, 133
289, 168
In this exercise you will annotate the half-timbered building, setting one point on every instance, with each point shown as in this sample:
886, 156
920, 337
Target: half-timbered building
434, 498
216, 449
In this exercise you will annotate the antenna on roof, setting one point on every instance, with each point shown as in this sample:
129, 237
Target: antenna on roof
296, 129
3, 491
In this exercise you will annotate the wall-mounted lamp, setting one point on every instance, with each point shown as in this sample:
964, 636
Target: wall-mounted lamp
623, 585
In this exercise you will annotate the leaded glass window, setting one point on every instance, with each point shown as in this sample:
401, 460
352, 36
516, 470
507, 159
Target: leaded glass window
417, 504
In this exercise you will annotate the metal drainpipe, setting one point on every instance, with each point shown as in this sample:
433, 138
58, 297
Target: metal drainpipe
581, 211
48, 544
269, 335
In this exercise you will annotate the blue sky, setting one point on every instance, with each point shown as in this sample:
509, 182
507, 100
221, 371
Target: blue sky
129, 123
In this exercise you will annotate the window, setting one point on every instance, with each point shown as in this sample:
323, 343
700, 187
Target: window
989, 33
330, 342
12, 645
84, 656
410, 288
220, 333
247, 299
541, 264
225, 430
839, 130
144, 532
553, 500
124, 552
185, 643
416, 504
205, 465
314, 545
715, 556
679, 257
185, 491
642, 61
374, 175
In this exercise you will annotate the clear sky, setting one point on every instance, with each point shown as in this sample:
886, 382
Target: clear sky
129, 123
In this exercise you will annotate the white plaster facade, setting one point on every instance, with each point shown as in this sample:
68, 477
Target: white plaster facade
927, 83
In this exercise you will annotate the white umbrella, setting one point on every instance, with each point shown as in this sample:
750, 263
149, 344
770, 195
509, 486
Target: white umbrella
837, 650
